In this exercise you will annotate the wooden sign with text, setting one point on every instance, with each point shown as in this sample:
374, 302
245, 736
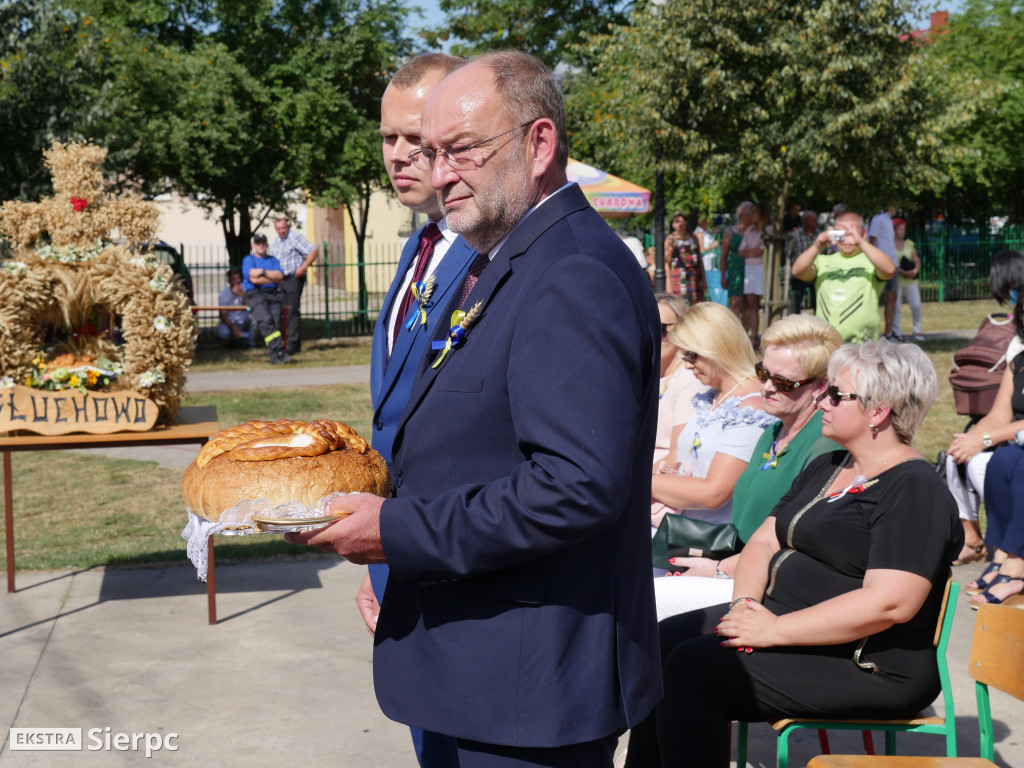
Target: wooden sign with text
59, 413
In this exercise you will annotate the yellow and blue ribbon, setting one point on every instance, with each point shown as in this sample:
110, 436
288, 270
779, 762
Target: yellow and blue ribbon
455, 336
418, 290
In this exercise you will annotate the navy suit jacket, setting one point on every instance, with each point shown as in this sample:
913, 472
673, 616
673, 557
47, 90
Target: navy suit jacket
391, 380
520, 607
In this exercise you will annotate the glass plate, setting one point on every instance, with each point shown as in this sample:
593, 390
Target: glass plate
288, 525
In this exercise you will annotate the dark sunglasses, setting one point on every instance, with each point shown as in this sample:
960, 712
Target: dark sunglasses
782, 384
835, 396
690, 358
665, 328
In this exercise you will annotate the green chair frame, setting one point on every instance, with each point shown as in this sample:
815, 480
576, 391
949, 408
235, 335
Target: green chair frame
945, 726
997, 659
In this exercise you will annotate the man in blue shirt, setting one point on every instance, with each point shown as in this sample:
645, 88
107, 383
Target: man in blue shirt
261, 278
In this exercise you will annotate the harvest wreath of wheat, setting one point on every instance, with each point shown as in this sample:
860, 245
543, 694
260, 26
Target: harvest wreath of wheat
81, 311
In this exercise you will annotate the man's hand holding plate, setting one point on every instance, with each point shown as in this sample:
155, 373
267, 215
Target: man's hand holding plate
356, 537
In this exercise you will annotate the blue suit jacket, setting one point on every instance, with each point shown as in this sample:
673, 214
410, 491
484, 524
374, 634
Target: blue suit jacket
391, 381
520, 607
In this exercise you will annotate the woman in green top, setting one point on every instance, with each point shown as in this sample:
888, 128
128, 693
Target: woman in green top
733, 265
793, 376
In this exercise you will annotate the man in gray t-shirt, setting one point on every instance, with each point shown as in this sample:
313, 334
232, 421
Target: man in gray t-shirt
882, 235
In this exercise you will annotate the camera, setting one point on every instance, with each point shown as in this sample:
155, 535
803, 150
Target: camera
837, 235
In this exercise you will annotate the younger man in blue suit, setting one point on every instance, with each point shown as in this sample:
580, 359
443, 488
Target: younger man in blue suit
400, 335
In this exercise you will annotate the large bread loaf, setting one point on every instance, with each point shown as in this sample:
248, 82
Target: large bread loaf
281, 461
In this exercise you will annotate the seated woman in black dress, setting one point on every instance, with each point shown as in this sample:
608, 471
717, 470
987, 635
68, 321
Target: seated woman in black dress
837, 594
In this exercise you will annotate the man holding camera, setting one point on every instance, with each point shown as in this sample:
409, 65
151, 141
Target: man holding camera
848, 282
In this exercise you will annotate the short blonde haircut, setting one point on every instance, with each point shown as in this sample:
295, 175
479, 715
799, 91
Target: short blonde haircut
677, 304
898, 375
811, 340
716, 334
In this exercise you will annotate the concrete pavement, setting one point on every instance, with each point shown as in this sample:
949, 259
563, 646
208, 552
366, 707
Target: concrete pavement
283, 678
286, 674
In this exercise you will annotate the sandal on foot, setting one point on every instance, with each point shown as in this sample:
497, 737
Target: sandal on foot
982, 582
971, 554
991, 599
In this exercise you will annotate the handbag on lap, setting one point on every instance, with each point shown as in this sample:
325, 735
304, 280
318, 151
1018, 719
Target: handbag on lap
682, 536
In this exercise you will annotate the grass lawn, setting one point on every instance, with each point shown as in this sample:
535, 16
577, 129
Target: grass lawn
75, 511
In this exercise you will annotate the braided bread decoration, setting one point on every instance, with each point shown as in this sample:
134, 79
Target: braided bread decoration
268, 440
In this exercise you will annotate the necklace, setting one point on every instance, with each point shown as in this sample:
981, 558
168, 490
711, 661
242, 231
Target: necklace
717, 402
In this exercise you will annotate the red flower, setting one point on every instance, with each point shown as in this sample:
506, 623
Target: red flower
79, 203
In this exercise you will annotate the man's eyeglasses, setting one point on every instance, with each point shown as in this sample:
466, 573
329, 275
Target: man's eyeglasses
690, 358
782, 384
456, 157
835, 396
665, 328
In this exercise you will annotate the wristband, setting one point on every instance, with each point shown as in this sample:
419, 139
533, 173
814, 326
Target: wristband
719, 573
742, 600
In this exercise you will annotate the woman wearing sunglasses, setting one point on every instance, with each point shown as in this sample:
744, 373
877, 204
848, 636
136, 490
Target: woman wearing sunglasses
717, 442
837, 594
678, 384
797, 349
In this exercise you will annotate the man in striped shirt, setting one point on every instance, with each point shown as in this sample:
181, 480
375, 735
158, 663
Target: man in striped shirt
295, 253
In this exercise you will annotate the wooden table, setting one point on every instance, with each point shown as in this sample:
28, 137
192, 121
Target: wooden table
196, 425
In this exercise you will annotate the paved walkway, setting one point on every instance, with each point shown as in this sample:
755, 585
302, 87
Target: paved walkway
285, 677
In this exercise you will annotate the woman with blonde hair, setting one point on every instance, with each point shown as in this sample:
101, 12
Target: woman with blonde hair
678, 384
793, 376
715, 445
837, 594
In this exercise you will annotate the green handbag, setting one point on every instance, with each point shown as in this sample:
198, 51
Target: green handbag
682, 536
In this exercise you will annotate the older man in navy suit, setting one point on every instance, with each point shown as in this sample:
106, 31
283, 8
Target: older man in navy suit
519, 614
431, 269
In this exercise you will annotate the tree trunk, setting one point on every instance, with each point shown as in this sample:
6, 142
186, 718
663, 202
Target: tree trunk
363, 206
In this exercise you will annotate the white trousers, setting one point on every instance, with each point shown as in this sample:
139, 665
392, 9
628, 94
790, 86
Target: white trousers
968, 494
678, 594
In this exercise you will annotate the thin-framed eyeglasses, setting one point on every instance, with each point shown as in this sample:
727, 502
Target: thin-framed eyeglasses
690, 358
782, 384
456, 157
835, 396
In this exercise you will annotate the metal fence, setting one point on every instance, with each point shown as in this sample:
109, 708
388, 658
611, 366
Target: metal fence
955, 260
343, 297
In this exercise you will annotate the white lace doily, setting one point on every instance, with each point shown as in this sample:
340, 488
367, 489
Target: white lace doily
239, 518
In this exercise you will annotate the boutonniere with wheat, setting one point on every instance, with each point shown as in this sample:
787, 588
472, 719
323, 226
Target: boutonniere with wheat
421, 292
461, 321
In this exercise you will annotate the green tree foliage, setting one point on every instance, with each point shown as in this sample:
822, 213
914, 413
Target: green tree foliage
236, 103
772, 98
550, 30
51, 63
985, 44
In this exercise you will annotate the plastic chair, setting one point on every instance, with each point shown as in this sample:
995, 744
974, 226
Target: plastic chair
921, 723
997, 659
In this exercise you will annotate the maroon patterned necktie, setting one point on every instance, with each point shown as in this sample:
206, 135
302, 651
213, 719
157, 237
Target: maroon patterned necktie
428, 239
475, 270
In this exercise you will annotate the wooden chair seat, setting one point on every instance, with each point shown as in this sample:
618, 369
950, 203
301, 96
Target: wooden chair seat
919, 719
